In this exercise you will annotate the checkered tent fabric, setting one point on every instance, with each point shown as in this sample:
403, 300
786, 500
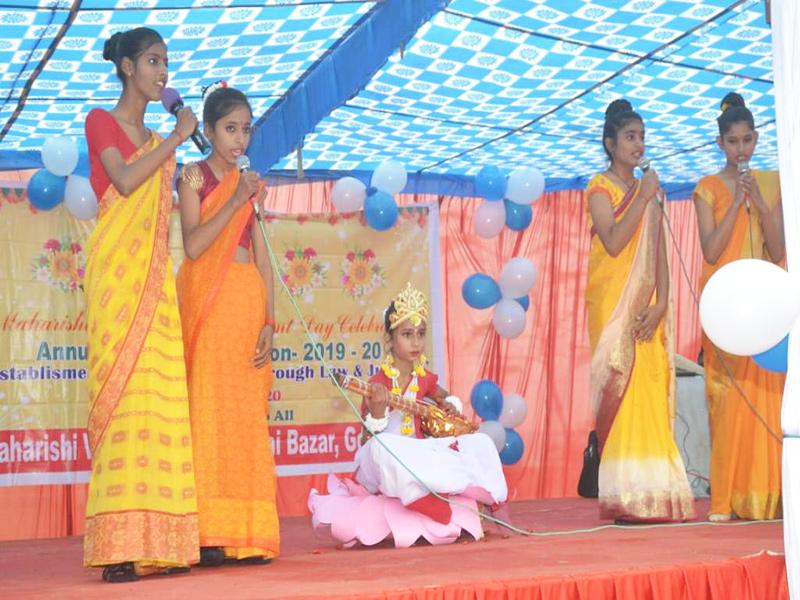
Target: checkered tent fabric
489, 82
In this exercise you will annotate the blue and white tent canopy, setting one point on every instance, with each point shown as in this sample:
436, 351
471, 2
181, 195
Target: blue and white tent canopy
444, 87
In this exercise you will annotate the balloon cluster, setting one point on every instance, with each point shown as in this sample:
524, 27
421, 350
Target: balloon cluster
500, 415
509, 296
57, 181
748, 307
522, 188
380, 208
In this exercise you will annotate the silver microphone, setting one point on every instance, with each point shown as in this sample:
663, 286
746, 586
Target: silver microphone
243, 164
743, 168
643, 164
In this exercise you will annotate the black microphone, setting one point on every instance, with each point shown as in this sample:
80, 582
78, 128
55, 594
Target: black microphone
172, 101
243, 164
743, 168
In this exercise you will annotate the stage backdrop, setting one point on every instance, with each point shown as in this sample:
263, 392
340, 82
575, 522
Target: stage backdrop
547, 364
340, 276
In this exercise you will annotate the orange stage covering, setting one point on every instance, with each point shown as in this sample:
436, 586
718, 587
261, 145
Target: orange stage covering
548, 364
699, 562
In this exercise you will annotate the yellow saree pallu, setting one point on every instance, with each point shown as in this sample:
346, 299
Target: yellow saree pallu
745, 456
641, 475
222, 306
141, 506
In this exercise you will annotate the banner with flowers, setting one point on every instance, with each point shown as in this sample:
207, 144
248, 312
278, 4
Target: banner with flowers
43, 407
339, 276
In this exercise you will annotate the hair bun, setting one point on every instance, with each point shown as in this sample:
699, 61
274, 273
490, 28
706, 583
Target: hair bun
731, 100
213, 87
111, 47
620, 105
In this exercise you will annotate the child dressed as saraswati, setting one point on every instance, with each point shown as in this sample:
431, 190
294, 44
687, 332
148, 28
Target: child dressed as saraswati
416, 443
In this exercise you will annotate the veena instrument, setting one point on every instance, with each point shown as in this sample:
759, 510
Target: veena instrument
435, 421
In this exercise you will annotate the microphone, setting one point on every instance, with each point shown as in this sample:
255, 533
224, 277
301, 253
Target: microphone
171, 100
643, 164
243, 164
743, 168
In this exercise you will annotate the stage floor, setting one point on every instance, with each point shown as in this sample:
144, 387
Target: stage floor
726, 561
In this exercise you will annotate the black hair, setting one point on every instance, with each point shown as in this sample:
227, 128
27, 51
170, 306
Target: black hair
618, 114
129, 44
733, 111
386, 321
221, 102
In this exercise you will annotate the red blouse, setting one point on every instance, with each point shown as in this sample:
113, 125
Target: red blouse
103, 131
210, 182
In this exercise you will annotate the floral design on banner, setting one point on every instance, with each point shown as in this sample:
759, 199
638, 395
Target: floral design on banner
61, 264
303, 271
361, 273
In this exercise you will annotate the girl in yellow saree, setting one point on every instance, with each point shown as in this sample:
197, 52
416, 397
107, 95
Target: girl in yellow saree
739, 216
641, 475
141, 508
226, 303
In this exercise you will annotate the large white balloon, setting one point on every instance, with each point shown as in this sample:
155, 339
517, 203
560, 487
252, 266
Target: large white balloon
525, 185
515, 409
509, 318
489, 219
390, 176
748, 306
79, 197
348, 194
495, 431
517, 278
60, 155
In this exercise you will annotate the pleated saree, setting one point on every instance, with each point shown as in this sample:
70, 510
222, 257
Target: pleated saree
141, 506
745, 455
222, 305
641, 475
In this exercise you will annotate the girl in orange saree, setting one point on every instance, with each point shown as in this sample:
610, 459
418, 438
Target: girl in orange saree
739, 216
141, 511
641, 477
226, 303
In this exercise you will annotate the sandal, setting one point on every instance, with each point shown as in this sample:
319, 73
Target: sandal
120, 573
254, 560
211, 556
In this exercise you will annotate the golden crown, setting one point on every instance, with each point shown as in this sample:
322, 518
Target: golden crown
410, 304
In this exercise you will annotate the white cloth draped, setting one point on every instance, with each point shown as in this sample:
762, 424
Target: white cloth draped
786, 65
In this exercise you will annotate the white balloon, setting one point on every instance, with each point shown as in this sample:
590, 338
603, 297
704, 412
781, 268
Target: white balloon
515, 409
60, 155
390, 176
748, 306
525, 185
348, 194
489, 219
495, 431
517, 278
79, 197
509, 318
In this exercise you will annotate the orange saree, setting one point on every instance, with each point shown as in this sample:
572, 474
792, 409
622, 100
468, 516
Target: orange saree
141, 505
641, 475
745, 456
222, 305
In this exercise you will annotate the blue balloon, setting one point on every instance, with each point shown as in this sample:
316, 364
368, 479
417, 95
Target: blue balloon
524, 302
512, 451
518, 216
487, 400
380, 210
776, 358
45, 190
480, 291
490, 183
82, 167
